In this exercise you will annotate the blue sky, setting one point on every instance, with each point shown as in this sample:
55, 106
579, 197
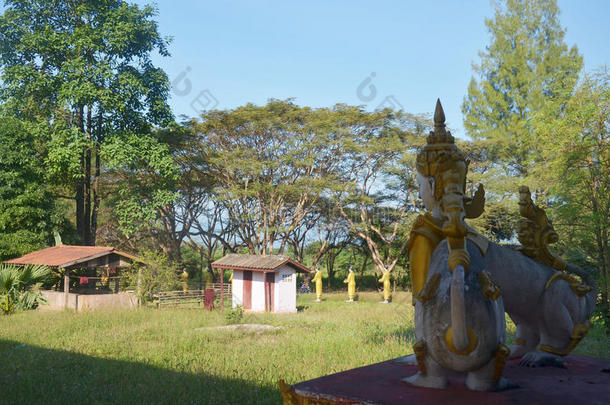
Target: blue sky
228, 53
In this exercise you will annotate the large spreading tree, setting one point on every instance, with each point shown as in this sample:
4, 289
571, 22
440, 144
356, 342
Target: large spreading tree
270, 165
80, 73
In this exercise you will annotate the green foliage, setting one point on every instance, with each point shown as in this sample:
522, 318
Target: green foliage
379, 189
275, 166
155, 274
533, 122
577, 170
19, 287
143, 171
234, 315
526, 69
526, 64
81, 74
28, 213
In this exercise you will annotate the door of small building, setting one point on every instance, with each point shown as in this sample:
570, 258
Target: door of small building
269, 290
247, 289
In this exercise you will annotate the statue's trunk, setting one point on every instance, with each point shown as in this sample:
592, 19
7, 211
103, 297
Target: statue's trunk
458, 309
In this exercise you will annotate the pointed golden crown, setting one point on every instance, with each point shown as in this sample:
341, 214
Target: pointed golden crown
440, 150
440, 135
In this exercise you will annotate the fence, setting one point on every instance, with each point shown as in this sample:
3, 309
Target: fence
189, 297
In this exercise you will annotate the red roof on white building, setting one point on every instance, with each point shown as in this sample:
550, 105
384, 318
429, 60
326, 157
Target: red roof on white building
266, 263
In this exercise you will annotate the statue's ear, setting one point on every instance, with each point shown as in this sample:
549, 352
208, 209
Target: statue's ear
474, 207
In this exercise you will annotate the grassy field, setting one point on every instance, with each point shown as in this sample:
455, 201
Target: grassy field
159, 356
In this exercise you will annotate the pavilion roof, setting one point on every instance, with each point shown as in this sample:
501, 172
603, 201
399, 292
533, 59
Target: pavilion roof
67, 255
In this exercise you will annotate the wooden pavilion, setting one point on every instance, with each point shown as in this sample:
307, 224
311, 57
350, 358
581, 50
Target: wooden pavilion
67, 259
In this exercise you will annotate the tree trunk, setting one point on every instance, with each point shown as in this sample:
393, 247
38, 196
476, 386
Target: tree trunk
96, 181
80, 186
330, 267
87, 183
201, 270
602, 246
364, 263
602, 249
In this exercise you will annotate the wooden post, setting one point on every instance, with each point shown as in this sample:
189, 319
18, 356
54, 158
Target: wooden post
201, 271
116, 280
222, 289
139, 287
66, 287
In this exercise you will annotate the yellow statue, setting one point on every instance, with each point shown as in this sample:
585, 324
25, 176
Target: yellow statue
185, 280
318, 280
387, 293
105, 280
351, 285
231, 278
209, 281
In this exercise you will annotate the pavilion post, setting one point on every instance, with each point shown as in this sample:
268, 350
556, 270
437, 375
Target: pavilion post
139, 286
222, 289
66, 287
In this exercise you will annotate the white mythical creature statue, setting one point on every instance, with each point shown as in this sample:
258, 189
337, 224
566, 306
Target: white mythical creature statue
549, 307
459, 314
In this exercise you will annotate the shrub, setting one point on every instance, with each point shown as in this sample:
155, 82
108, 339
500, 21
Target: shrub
19, 287
234, 315
155, 274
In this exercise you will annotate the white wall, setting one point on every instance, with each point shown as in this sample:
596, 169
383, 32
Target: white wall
285, 290
237, 288
258, 291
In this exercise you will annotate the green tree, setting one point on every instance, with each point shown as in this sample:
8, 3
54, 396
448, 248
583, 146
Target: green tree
29, 214
156, 273
526, 64
80, 72
379, 193
270, 165
140, 179
577, 156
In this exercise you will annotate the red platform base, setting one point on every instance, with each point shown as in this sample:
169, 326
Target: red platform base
586, 380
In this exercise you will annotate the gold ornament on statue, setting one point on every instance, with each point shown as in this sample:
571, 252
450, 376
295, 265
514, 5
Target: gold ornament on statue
536, 232
441, 160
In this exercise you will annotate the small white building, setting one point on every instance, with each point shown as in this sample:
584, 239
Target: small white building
263, 283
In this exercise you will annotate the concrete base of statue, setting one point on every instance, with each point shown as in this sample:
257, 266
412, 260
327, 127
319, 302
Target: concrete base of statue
317, 300
350, 300
384, 302
584, 380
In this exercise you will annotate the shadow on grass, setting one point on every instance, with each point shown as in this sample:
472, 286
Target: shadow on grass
30, 375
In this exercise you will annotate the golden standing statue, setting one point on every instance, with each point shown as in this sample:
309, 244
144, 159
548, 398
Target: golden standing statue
351, 285
387, 285
185, 280
317, 279
209, 281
